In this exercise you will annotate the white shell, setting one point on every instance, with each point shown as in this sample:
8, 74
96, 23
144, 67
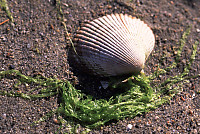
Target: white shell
114, 45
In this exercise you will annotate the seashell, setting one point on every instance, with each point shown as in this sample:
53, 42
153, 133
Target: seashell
113, 45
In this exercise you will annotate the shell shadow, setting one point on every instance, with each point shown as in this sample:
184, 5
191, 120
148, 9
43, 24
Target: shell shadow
91, 84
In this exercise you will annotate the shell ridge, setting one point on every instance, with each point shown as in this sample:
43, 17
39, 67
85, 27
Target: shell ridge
122, 38
132, 58
115, 28
122, 50
111, 30
123, 29
108, 69
129, 35
113, 45
103, 32
104, 29
92, 41
99, 54
145, 30
101, 57
100, 48
98, 36
104, 43
120, 46
133, 51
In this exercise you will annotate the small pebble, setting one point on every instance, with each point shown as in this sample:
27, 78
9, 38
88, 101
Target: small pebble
104, 84
4, 116
195, 131
109, 6
55, 121
190, 112
159, 128
147, 124
157, 117
28, 45
129, 127
3, 38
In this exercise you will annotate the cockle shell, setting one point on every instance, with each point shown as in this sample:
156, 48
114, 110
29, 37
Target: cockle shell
113, 45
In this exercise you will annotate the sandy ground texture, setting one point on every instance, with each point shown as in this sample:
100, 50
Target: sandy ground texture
36, 44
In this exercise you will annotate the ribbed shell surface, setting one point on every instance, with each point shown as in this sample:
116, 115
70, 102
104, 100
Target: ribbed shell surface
114, 45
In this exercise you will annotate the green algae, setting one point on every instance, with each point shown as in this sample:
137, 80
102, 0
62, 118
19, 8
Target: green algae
4, 5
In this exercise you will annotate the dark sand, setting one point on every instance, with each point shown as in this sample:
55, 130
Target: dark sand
37, 44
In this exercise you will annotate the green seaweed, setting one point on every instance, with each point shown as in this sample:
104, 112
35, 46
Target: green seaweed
4, 5
61, 17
